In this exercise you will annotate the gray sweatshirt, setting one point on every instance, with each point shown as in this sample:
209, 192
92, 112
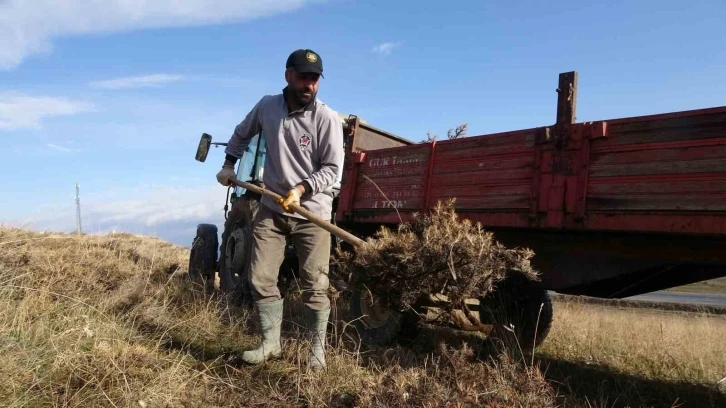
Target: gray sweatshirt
302, 146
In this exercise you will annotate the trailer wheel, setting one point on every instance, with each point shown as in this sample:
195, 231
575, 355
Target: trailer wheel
236, 247
203, 255
376, 322
520, 311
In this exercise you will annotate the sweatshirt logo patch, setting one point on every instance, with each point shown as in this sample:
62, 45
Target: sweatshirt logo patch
305, 140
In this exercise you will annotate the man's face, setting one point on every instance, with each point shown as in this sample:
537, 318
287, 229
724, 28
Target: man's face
303, 87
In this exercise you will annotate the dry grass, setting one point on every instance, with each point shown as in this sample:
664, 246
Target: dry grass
662, 346
641, 345
114, 321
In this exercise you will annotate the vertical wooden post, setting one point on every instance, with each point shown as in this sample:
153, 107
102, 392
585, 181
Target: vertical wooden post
562, 163
567, 98
429, 173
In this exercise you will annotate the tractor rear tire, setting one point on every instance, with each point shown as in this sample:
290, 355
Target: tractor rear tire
520, 311
236, 248
203, 255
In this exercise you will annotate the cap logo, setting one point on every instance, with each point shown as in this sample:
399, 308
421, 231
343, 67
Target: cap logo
311, 57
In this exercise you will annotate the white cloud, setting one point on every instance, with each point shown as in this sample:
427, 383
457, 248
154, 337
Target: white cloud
386, 47
169, 213
28, 27
62, 148
142, 81
19, 111
160, 205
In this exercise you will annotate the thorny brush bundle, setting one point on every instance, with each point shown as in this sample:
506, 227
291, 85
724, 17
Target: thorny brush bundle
437, 252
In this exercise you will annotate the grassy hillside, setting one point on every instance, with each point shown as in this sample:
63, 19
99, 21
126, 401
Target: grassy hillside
114, 321
710, 286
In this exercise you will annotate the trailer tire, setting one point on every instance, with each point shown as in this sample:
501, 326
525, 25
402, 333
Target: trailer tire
378, 324
203, 255
522, 303
236, 248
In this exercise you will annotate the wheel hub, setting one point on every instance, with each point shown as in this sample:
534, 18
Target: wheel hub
234, 253
375, 312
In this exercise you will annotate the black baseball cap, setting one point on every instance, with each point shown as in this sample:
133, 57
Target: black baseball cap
305, 61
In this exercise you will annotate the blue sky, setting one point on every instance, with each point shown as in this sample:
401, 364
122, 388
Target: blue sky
114, 95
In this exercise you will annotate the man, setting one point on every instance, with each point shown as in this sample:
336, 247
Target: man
304, 159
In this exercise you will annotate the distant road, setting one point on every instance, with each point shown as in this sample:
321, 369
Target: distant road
706, 299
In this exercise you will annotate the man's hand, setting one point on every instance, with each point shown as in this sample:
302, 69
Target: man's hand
226, 174
293, 197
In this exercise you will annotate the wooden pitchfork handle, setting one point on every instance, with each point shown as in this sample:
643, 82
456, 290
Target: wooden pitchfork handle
326, 225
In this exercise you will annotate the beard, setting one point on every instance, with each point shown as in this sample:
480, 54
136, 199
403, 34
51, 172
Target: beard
300, 97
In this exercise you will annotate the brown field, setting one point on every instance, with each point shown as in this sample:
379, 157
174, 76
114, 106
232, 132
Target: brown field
114, 321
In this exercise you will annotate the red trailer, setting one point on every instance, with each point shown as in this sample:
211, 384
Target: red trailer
612, 208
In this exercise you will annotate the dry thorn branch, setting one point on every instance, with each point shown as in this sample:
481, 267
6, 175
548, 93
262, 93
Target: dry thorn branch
436, 253
393, 205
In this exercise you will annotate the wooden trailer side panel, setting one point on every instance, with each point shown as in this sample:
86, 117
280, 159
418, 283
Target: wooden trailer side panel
365, 137
663, 173
391, 179
491, 177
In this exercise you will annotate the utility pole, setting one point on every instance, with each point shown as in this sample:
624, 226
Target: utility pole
78, 210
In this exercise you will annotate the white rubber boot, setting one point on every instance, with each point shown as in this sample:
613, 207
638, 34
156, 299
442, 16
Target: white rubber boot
317, 326
270, 318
